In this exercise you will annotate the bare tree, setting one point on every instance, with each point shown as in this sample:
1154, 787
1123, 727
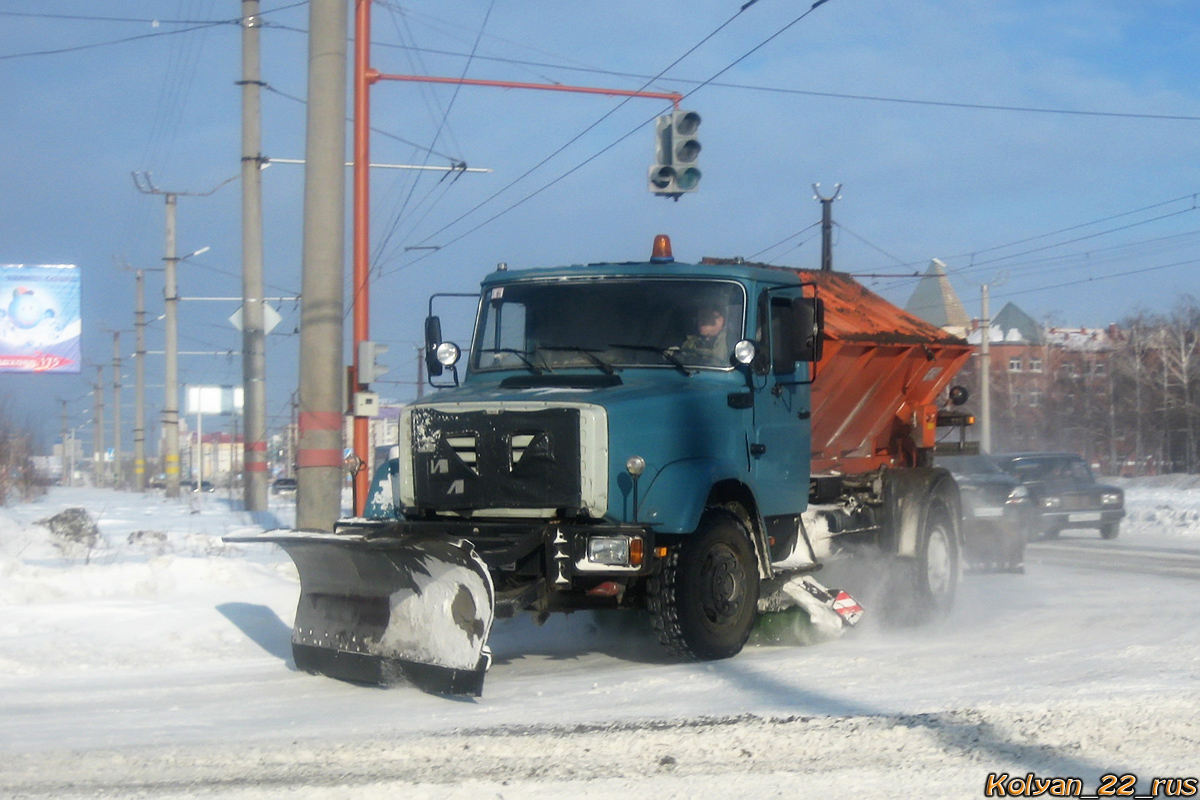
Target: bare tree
17, 473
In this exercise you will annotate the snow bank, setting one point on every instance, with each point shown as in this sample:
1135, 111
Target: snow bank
1162, 505
148, 590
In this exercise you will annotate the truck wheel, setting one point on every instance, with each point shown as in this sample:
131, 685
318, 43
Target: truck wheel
923, 588
1110, 530
937, 565
704, 600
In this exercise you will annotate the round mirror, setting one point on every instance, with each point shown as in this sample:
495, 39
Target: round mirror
448, 354
744, 352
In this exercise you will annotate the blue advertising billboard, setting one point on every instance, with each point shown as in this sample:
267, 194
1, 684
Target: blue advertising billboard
39, 318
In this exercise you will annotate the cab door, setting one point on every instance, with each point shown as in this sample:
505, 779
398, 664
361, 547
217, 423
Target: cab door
780, 449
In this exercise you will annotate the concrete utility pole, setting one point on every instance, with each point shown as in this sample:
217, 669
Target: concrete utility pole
292, 436
170, 416
139, 407
985, 374
116, 386
98, 430
66, 441
254, 354
171, 261
826, 224
322, 399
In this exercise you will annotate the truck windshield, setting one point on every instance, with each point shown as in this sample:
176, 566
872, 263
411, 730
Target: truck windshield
609, 324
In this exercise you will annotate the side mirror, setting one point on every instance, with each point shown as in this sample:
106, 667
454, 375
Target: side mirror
433, 338
808, 314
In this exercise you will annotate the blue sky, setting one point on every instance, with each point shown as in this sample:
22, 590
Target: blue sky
924, 179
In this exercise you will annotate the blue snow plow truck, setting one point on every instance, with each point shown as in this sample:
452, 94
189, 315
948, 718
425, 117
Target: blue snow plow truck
693, 440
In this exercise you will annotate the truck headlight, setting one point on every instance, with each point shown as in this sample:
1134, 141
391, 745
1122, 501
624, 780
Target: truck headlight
616, 551
1051, 502
1111, 498
1017, 495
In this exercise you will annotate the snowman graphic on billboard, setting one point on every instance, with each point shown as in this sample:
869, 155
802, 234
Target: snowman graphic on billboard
39, 319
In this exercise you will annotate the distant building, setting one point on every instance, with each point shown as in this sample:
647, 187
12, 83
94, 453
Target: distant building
934, 300
1050, 386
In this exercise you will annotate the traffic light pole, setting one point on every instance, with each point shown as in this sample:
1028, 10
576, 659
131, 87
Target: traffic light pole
361, 239
547, 87
364, 77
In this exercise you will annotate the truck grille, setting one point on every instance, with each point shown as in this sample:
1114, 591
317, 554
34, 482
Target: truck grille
464, 446
476, 460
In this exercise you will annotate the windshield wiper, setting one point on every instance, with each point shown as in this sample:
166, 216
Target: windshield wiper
534, 368
664, 352
587, 352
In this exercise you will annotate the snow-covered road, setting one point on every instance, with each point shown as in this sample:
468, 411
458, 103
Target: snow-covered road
161, 667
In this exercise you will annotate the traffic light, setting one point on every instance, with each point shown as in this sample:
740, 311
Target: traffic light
368, 368
676, 150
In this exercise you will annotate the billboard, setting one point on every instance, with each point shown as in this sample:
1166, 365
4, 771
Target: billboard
39, 318
224, 400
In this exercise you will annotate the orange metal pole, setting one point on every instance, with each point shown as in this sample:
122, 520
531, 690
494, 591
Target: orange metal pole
549, 87
364, 76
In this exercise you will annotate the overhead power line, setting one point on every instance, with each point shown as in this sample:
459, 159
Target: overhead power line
192, 25
394, 225
604, 150
138, 20
975, 264
1110, 276
94, 45
387, 134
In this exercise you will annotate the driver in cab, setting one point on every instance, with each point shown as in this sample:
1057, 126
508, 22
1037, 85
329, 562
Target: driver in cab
710, 344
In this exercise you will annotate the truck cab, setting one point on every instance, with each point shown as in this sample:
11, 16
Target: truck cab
607, 417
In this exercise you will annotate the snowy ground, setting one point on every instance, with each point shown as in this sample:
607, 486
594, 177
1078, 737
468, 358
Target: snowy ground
156, 663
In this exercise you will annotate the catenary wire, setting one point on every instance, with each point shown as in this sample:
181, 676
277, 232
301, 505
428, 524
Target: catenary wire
591, 158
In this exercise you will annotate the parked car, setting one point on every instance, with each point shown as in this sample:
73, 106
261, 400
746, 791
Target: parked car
996, 512
1065, 493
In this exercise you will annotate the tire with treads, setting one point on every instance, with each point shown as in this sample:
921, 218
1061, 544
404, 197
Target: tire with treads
922, 588
704, 600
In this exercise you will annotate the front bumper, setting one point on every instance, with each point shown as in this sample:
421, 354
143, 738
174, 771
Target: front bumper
1081, 518
556, 551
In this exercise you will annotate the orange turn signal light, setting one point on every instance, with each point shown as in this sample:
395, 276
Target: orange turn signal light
637, 551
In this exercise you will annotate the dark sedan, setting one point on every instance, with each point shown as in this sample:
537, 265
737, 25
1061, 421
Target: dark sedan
996, 512
1065, 492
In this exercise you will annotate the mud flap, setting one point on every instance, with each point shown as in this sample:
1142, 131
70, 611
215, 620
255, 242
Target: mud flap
380, 609
800, 610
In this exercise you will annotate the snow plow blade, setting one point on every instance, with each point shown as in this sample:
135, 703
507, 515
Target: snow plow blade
384, 609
